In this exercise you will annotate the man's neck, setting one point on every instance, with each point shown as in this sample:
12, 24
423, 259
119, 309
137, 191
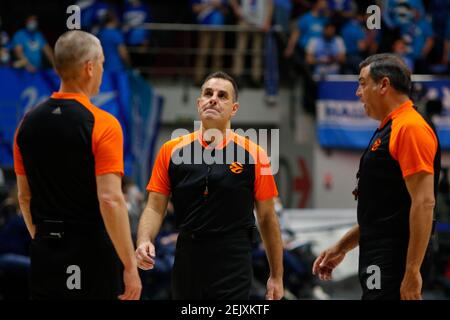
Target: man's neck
209, 133
391, 103
73, 87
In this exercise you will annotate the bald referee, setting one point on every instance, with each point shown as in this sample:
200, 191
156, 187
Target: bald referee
68, 160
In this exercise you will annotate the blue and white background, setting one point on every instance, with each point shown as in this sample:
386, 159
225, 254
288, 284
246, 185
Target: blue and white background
343, 124
126, 95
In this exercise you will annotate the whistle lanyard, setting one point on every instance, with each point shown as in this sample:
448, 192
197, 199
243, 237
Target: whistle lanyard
206, 191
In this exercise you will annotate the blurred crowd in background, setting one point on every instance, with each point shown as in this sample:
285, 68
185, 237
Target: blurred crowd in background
308, 39
327, 36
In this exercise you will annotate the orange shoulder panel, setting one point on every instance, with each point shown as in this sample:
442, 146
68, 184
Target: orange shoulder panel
107, 136
265, 186
413, 143
159, 180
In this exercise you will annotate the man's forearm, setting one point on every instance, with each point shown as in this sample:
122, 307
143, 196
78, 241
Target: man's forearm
24, 197
25, 209
420, 224
149, 225
270, 233
350, 240
115, 217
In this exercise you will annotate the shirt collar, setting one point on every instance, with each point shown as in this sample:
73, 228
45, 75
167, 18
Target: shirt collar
405, 105
71, 95
230, 135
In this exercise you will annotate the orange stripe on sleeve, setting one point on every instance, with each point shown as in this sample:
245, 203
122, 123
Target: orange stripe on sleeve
265, 186
413, 144
19, 168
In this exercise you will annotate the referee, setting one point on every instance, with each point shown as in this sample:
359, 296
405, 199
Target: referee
396, 189
68, 160
213, 202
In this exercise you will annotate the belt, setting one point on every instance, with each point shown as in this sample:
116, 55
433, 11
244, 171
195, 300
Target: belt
57, 229
219, 235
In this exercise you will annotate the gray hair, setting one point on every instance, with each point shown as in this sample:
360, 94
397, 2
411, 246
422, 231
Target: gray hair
391, 66
72, 49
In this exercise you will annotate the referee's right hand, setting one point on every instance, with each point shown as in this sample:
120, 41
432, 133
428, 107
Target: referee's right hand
145, 255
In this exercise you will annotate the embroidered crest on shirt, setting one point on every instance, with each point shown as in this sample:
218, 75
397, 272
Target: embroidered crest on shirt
375, 145
236, 167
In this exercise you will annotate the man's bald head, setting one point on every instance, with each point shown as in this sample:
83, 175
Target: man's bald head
72, 50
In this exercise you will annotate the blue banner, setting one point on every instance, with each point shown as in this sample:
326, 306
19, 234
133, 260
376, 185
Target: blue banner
145, 124
21, 90
343, 124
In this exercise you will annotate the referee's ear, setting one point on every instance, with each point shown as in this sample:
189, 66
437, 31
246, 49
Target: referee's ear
235, 108
89, 67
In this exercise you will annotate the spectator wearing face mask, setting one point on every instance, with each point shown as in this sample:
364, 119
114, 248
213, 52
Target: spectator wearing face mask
28, 45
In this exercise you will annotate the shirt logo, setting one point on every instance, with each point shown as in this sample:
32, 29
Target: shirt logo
57, 111
236, 167
376, 145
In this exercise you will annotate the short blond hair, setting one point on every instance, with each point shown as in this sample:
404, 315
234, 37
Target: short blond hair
72, 50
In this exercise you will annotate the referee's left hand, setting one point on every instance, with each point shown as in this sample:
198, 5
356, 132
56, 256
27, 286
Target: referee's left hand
133, 285
275, 289
411, 286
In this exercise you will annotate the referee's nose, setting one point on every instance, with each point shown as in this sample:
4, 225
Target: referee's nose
213, 100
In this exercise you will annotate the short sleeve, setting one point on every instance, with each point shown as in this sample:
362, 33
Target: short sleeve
265, 186
414, 147
159, 180
19, 168
107, 145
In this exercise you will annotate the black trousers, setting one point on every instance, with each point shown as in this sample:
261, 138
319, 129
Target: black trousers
81, 265
388, 255
213, 268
